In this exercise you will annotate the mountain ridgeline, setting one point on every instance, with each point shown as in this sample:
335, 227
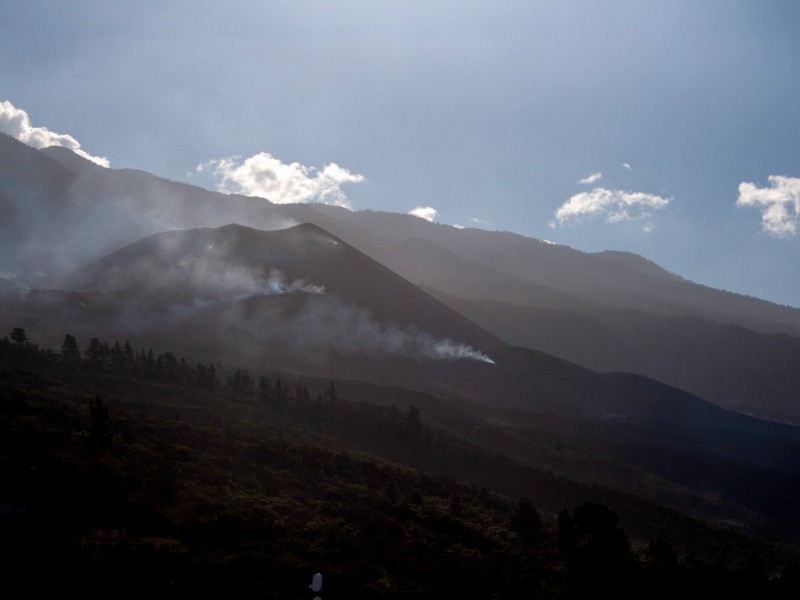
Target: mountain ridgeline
610, 311
539, 371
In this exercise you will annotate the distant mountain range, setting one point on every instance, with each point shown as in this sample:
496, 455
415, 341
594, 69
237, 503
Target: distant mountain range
610, 311
669, 381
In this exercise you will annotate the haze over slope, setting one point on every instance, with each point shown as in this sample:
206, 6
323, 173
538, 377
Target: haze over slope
180, 272
608, 311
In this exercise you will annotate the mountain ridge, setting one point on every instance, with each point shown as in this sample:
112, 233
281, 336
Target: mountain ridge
116, 207
313, 300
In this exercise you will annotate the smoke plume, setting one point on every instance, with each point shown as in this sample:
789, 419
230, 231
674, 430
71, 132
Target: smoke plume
324, 324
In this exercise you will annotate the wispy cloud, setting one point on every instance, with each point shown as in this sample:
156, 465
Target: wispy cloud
16, 123
477, 221
615, 205
594, 177
626, 166
779, 204
424, 212
266, 176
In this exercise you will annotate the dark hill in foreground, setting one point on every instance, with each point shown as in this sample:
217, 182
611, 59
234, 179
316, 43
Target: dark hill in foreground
266, 485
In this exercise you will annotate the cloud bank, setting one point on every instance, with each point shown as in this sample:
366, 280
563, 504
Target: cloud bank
779, 204
266, 176
424, 212
16, 123
616, 205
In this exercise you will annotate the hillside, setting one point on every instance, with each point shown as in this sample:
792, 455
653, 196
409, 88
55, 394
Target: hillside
284, 359
730, 365
264, 485
514, 277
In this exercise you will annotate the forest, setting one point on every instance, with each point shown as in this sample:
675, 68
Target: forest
263, 479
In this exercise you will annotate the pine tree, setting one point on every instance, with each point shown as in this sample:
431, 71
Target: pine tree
94, 354
18, 336
70, 353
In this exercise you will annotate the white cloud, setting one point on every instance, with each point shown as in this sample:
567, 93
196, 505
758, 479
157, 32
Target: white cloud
16, 123
779, 204
626, 166
594, 177
616, 205
425, 212
266, 176
478, 221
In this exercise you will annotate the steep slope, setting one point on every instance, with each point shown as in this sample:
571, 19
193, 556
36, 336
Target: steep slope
606, 279
34, 205
103, 209
602, 280
204, 266
60, 211
304, 300
730, 365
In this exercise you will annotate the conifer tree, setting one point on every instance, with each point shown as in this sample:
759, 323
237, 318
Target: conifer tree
18, 336
70, 353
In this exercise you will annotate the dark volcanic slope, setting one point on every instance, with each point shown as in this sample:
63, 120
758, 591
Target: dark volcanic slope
728, 364
234, 261
255, 295
65, 211
606, 279
602, 280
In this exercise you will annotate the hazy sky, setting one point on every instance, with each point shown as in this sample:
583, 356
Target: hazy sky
601, 125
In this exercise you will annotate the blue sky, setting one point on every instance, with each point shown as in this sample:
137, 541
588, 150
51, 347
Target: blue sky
488, 113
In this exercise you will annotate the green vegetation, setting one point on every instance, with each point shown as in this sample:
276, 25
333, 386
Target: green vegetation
268, 479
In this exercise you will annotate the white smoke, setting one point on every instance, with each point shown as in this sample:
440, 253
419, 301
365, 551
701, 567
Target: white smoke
325, 324
16, 123
447, 349
278, 284
215, 281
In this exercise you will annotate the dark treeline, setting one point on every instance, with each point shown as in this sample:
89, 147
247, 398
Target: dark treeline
102, 357
321, 412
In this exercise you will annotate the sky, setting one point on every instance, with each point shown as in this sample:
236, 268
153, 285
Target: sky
666, 128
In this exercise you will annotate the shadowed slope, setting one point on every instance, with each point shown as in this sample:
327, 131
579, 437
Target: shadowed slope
234, 262
94, 210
